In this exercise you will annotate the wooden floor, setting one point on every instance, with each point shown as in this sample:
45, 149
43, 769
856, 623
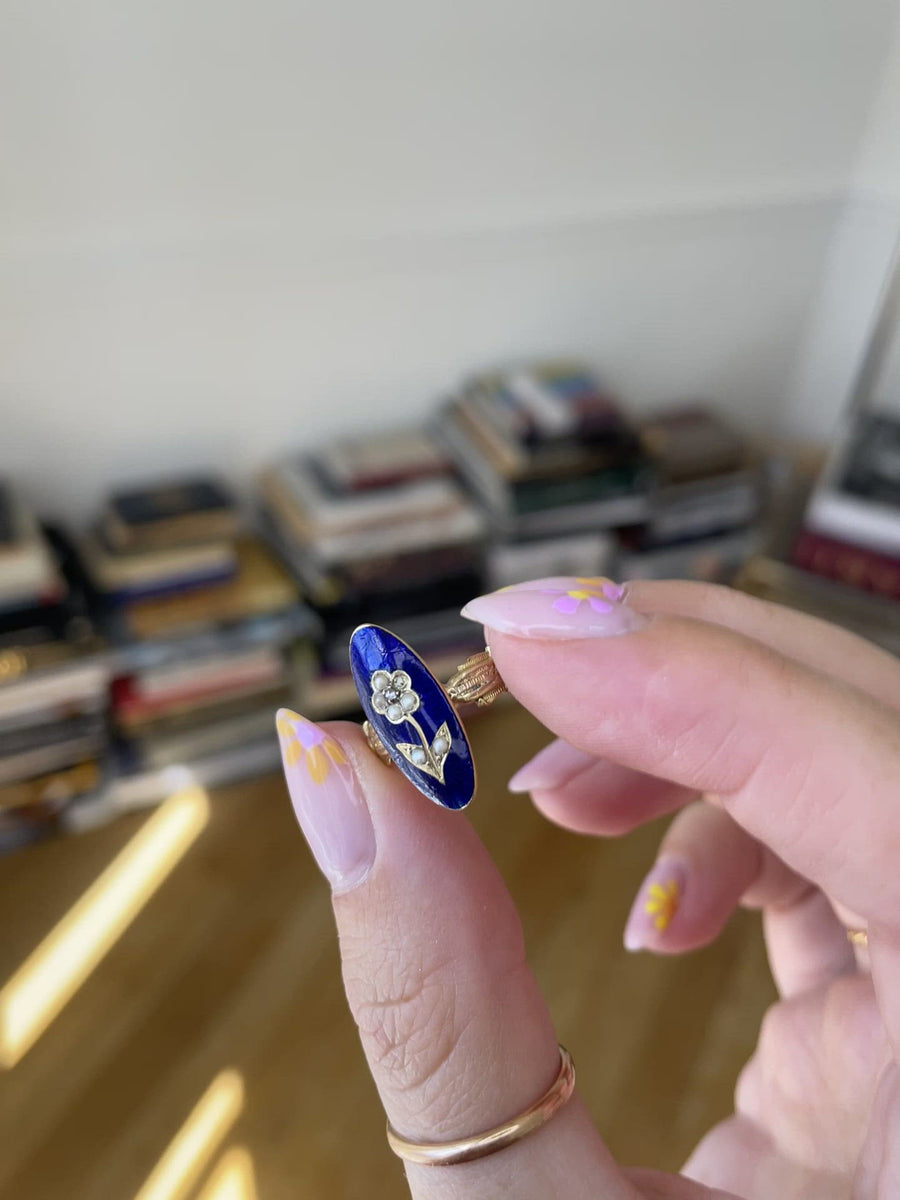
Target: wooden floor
232, 965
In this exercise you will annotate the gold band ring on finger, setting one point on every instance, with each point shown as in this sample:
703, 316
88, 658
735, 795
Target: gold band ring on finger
479, 1145
858, 937
411, 718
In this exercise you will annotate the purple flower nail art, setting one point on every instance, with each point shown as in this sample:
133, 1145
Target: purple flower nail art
599, 593
561, 606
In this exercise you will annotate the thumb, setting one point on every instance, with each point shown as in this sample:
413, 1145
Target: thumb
455, 1031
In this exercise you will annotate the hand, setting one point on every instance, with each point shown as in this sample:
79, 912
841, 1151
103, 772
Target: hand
789, 728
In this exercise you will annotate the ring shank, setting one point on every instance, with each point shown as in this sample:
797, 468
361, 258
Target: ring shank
491, 1140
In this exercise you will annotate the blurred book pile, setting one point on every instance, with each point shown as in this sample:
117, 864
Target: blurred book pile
207, 635
707, 501
151, 651
377, 529
569, 484
162, 541
843, 562
53, 679
547, 451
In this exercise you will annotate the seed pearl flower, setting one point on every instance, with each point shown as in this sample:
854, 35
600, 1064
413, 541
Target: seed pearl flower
392, 695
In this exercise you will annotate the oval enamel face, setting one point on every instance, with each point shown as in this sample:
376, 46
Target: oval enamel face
410, 712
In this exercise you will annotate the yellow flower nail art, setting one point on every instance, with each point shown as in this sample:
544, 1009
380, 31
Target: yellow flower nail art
307, 743
662, 903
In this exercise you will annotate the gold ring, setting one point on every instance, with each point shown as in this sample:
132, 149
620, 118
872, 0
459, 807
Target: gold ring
858, 937
411, 718
444, 1154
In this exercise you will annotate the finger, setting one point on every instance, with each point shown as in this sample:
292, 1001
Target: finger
659, 1185
457, 1036
706, 862
807, 944
830, 1043
740, 1155
595, 796
802, 763
878, 1169
706, 867
797, 635
708, 852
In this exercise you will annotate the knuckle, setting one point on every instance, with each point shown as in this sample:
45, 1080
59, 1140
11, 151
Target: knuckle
774, 1031
407, 1012
747, 1090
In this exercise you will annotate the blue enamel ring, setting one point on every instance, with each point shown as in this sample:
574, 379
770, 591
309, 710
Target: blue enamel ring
411, 720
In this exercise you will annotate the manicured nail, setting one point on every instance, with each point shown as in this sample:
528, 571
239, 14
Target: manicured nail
560, 607
550, 768
327, 799
656, 905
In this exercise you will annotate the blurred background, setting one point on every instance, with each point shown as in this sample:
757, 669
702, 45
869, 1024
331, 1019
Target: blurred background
313, 314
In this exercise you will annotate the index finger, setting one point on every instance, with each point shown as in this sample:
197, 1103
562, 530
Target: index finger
807, 765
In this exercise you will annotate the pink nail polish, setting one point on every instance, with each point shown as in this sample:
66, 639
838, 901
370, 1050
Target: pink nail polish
327, 799
559, 607
550, 768
656, 904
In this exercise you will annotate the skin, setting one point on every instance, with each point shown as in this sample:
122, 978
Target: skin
778, 738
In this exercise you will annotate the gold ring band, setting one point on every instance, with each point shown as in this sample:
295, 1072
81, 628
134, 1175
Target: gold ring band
476, 681
481, 1144
858, 937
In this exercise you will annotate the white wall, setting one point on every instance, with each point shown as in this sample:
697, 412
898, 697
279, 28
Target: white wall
228, 229
855, 273
877, 171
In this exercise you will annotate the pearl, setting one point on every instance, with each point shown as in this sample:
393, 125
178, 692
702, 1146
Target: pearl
380, 680
440, 745
394, 712
418, 755
407, 702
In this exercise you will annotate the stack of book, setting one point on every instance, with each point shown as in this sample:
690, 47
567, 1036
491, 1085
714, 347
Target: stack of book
552, 461
377, 529
834, 547
53, 679
571, 486
180, 709
162, 541
207, 632
851, 529
52, 738
703, 513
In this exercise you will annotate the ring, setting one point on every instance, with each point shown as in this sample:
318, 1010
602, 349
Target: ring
462, 1150
411, 720
858, 937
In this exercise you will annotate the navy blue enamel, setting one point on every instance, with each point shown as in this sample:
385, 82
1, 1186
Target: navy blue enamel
425, 729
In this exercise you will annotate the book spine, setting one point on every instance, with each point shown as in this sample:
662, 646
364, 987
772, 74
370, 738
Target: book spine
840, 516
169, 587
853, 565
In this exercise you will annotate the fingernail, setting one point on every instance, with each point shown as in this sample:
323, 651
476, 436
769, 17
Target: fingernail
550, 768
559, 607
327, 799
656, 904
